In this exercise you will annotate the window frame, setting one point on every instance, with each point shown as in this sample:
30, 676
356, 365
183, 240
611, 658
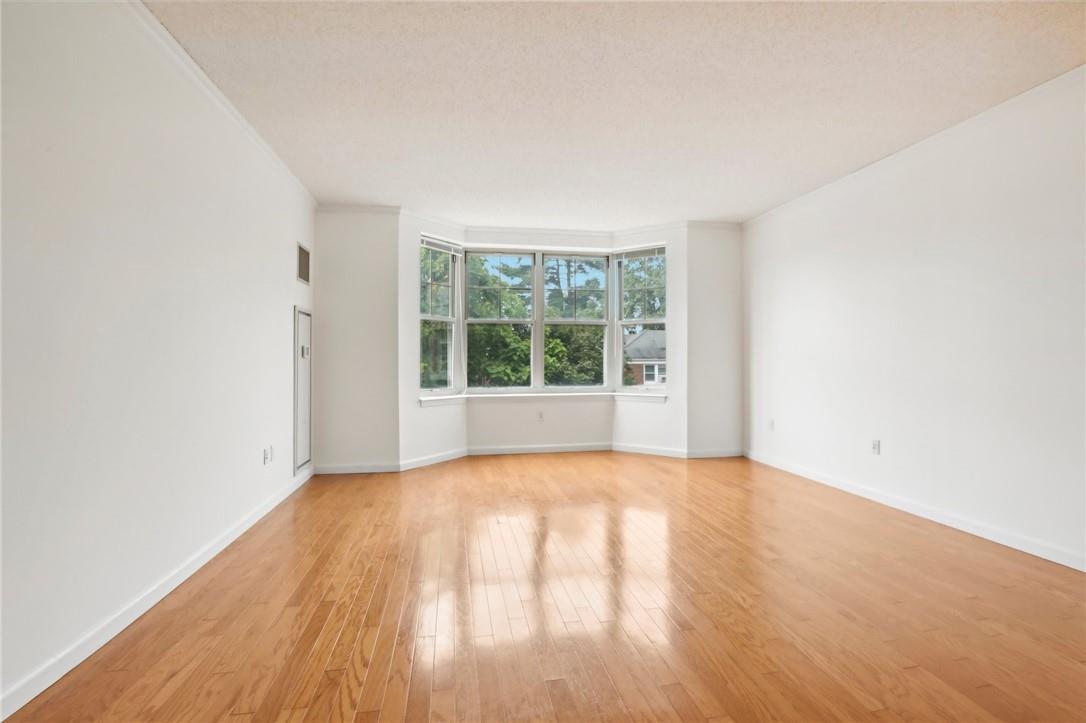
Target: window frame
613, 320
455, 253
621, 322
605, 322
531, 322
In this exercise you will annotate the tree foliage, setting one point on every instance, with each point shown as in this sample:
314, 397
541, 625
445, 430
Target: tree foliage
573, 355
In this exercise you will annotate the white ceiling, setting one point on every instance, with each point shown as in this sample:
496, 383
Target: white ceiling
607, 116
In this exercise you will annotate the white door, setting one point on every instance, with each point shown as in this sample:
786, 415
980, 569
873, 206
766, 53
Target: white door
303, 370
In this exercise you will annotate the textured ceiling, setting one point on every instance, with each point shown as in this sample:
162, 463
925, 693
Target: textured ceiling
605, 116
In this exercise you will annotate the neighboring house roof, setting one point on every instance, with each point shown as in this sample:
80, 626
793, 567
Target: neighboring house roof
648, 346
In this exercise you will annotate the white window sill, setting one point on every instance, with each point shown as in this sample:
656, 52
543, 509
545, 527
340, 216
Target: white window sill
433, 401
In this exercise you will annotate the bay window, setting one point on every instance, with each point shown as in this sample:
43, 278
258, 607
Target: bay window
537, 321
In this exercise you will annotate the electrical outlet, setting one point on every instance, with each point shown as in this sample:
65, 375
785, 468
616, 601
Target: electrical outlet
772, 424
267, 455
541, 415
876, 446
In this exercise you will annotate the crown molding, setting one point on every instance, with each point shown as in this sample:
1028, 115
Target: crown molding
184, 62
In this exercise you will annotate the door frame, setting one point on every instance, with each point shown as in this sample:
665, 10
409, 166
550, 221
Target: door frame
298, 312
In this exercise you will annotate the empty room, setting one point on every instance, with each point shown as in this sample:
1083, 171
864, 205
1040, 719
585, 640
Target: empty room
543, 361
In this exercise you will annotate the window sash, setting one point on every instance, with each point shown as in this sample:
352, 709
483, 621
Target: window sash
454, 361
621, 274
450, 356
574, 291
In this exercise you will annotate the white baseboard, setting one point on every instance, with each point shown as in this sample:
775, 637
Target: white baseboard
23, 691
372, 468
645, 449
713, 453
677, 453
541, 448
377, 467
1024, 543
362, 468
431, 459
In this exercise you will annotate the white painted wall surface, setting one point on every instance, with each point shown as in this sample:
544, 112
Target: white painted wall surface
432, 433
935, 301
498, 425
149, 285
646, 426
715, 340
354, 341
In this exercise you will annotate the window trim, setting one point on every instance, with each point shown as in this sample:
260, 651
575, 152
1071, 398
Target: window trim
613, 323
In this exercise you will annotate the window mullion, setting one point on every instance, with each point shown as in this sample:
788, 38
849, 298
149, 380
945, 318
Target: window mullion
615, 312
538, 330
460, 312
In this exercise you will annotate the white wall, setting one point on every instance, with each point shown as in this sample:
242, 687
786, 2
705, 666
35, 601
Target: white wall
935, 301
149, 285
714, 340
540, 423
355, 333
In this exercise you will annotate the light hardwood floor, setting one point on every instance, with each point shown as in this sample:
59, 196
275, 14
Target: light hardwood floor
595, 586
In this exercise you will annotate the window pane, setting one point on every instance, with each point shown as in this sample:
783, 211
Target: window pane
483, 303
655, 303
516, 303
591, 304
439, 267
424, 298
575, 287
557, 273
559, 304
499, 355
644, 287
440, 299
655, 270
436, 337
633, 271
633, 304
516, 271
573, 355
591, 273
483, 270
642, 344
424, 265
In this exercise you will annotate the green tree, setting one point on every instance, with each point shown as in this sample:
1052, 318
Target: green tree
573, 355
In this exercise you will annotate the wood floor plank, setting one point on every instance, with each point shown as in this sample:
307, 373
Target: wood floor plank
588, 587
